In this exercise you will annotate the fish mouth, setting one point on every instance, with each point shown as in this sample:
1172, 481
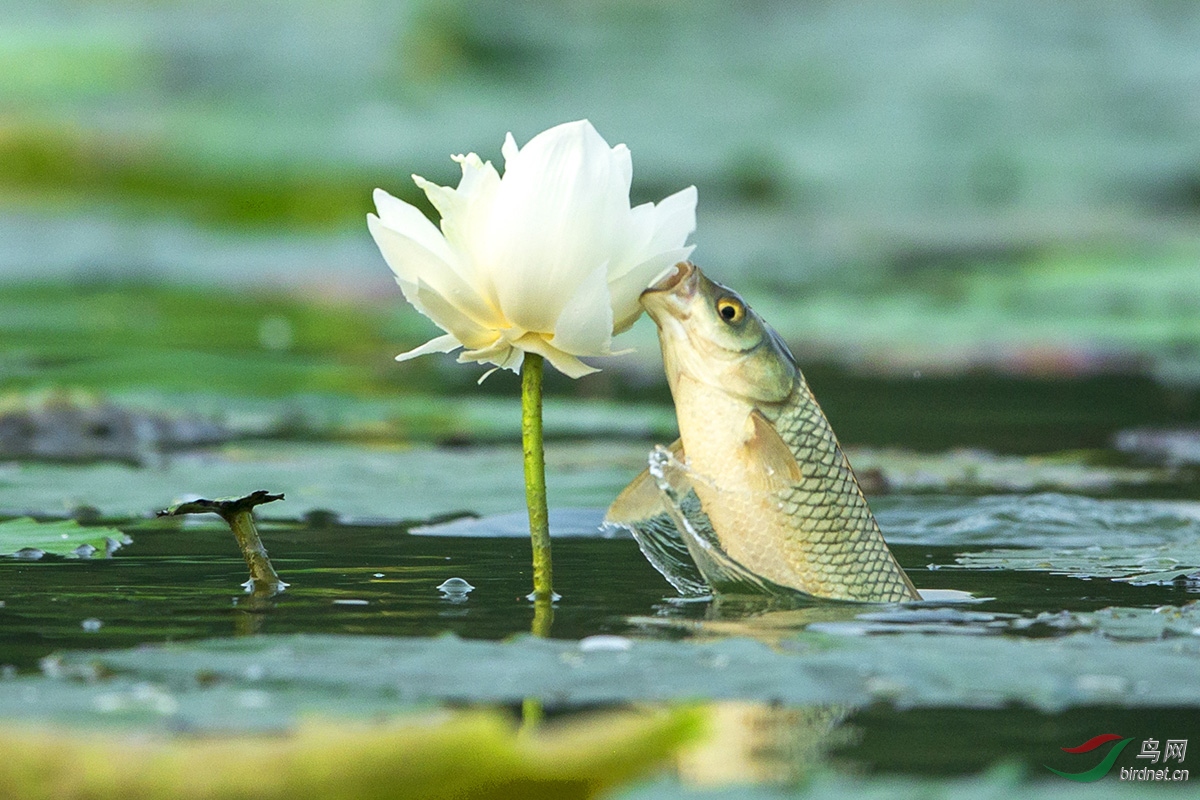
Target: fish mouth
673, 292
676, 276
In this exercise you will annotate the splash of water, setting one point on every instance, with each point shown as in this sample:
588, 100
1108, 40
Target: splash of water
680, 542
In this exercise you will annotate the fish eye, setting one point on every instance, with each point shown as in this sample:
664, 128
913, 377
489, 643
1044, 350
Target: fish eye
731, 310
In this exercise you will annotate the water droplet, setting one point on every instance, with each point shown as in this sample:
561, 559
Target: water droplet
29, 553
91, 624
351, 602
602, 643
455, 590
378, 574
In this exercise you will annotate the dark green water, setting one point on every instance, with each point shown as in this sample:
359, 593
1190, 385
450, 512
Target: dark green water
173, 585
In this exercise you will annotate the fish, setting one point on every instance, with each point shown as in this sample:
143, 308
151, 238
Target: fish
773, 498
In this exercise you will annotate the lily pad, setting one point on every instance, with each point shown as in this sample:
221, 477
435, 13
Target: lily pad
27, 538
1004, 781
1039, 520
1144, 564
976, 471
465, 417
1174, 448
906, 669
384, 483
1137, 624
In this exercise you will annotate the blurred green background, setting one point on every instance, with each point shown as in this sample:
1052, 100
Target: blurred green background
976, 223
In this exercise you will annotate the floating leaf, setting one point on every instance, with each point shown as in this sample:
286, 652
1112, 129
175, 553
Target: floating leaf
1131, 563
353, 482
1005, 780
1038, 520
909, 669
1173, 448
28, 538
968, 470
1133, 624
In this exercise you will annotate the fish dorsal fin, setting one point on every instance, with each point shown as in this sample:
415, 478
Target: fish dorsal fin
641, 499
778, 469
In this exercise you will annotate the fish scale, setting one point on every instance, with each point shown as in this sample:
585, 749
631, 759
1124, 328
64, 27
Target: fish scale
827, 523
817, 535
731, 379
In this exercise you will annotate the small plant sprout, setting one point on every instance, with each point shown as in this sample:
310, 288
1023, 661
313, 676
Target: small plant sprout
238, 513
543, 263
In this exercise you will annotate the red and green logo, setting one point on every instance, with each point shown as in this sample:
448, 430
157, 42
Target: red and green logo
1100, 770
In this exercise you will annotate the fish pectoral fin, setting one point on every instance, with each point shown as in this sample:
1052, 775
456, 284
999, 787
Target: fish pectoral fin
776, 466
641, 499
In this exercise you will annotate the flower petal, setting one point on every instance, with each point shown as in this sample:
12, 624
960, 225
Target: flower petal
408, 220
639, 230
565, 363
623, 162
629, 287
561, 203
413, 263
653, 229
509, 354
675, 220
478, 177
448, 317
584, 327
465, 212
509, 149
441, 344
502, 353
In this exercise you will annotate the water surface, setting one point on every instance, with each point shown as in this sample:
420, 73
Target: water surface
1043, 659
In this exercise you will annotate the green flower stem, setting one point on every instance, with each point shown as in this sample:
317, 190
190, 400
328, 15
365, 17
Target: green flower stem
535, 476
539, 520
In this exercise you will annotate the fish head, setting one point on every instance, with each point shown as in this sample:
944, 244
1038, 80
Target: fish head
709, 334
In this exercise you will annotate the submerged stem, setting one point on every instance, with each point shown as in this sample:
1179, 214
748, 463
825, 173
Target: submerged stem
543, 617
532, 709
262, 573
532, 714
535, 476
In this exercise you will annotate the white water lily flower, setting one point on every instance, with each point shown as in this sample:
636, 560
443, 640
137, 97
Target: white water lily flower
549, 259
